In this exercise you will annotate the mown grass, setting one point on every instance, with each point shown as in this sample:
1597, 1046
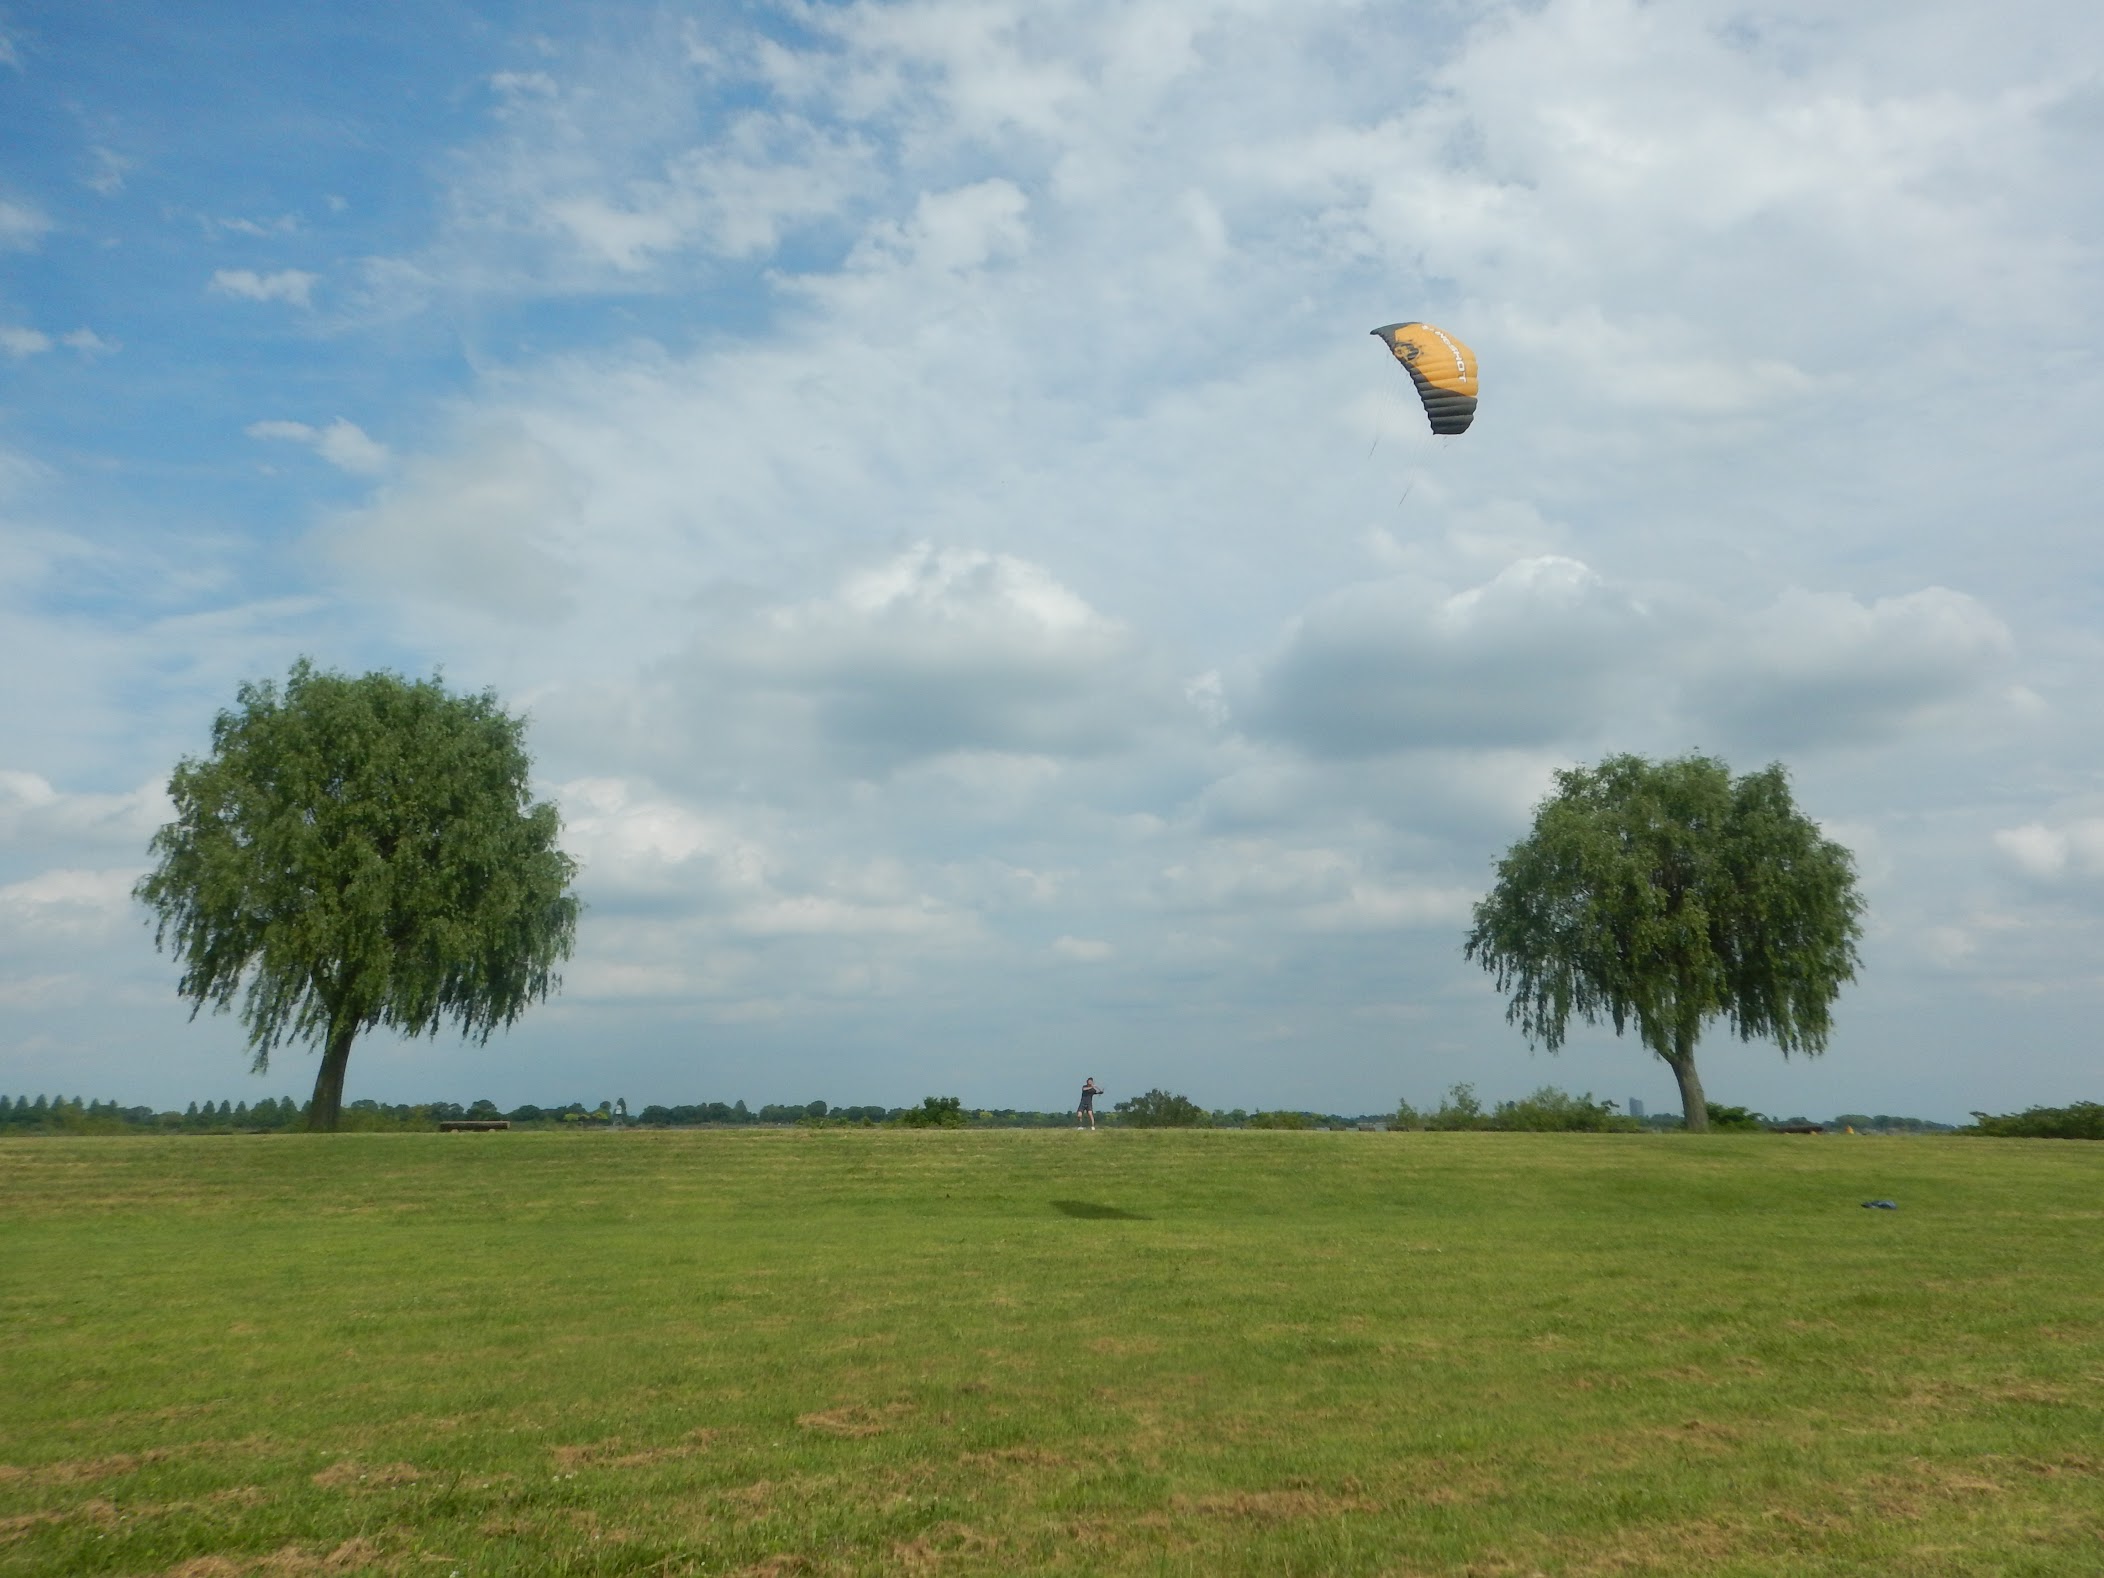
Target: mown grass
975, 1352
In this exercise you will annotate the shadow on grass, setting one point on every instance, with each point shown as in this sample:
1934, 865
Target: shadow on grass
1090, 1211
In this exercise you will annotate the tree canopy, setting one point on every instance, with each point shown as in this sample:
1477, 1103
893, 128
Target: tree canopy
360, 852
1670, 894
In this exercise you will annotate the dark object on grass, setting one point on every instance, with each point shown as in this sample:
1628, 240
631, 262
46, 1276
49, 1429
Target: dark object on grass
1089, 1211
472, 1125
1881, 1205
1798, 1128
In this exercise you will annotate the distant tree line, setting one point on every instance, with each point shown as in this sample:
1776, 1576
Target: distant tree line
1547, 1110
76, 1115
2082, 1120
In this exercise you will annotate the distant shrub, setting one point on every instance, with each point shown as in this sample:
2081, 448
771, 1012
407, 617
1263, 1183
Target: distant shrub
1547, 1111
1550, 1110
1458, 1109
1279, 1120
1736, 1120
1160, 1109
934, 1112
2084, 1120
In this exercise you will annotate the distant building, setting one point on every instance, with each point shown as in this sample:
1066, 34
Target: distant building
1636, 1108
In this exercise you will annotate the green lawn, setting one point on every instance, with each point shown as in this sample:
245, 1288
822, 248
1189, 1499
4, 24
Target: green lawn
1013, 1351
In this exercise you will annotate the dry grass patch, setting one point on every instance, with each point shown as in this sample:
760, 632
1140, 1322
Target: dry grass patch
291, 1561
350, 1475
614, 1453
854, 1421
1290, 1505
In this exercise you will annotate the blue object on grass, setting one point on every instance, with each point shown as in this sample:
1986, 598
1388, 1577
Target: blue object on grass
1881, 1205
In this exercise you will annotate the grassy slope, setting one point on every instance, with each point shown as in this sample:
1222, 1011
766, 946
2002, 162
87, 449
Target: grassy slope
842, 1351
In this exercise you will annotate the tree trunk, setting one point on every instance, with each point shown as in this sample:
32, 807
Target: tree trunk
327, 1107
1694, 1109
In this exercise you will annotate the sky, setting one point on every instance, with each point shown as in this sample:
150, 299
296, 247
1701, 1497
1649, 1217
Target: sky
987, 611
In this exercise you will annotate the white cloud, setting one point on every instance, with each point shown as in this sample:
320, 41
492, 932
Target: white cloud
1532, 655
932, 652
638, 843
487, 527
1819, 668
1549, 651
22, 227
1311, 888
951, 232
19, 342
46, 991
1082, 950
291, 285
68, 903
603, 175
342, 444
106, 171
261, 229
34, 813
2075, 848
522, 84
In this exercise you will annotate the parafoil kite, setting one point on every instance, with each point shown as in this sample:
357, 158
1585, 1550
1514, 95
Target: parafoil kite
1443, 369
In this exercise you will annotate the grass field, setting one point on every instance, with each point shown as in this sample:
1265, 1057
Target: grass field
1014, 1351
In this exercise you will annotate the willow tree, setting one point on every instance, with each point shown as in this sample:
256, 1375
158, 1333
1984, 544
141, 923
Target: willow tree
1670, 895
355, 853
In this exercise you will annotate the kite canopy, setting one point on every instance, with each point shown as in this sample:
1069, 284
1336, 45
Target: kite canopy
1443, 369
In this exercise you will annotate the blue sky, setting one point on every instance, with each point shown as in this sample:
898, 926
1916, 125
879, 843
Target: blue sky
989, 612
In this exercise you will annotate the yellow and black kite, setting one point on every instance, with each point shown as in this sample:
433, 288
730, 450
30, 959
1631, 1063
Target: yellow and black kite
1443, 369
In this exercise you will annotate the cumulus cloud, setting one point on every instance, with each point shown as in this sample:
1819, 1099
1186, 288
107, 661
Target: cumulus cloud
487, 527
291, 285
1822, 668
342, 444
68, 903
935, 651
1548, 651
635, 843
1532, 655
693, 904
2048, 854
35, 813
1307, 887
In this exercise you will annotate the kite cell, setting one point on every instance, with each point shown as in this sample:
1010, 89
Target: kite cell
1443, 369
